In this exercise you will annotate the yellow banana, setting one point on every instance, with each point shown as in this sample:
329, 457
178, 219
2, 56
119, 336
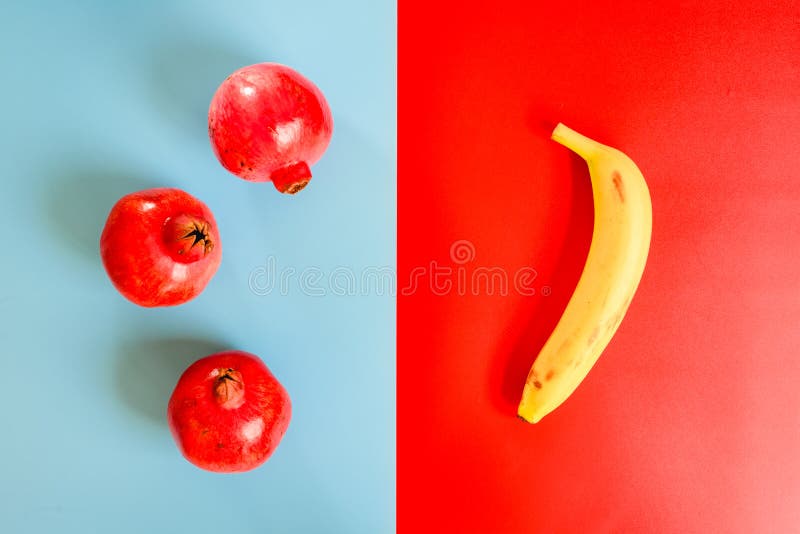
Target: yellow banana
614, 265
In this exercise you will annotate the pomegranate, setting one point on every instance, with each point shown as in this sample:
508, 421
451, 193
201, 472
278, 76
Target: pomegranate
267, 122
160, 247
228, 413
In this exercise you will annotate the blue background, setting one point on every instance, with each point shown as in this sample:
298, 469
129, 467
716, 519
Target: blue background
104, 98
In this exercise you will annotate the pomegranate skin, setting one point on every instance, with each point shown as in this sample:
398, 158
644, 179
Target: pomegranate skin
267, 122
160, 247
228, 412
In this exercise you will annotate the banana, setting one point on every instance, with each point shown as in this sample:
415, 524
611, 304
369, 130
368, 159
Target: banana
614, 266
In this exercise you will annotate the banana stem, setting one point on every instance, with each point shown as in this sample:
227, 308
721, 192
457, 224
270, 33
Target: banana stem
578, 143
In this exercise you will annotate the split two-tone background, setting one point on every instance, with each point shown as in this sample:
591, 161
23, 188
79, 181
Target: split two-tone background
361, 293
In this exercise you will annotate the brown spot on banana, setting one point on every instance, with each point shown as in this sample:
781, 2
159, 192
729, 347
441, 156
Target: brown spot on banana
593, 336
618, 185
549, 375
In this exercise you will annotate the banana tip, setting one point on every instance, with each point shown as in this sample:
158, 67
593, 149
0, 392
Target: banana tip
529, 420
561, 131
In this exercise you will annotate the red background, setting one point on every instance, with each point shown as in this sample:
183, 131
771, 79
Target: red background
690, 421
